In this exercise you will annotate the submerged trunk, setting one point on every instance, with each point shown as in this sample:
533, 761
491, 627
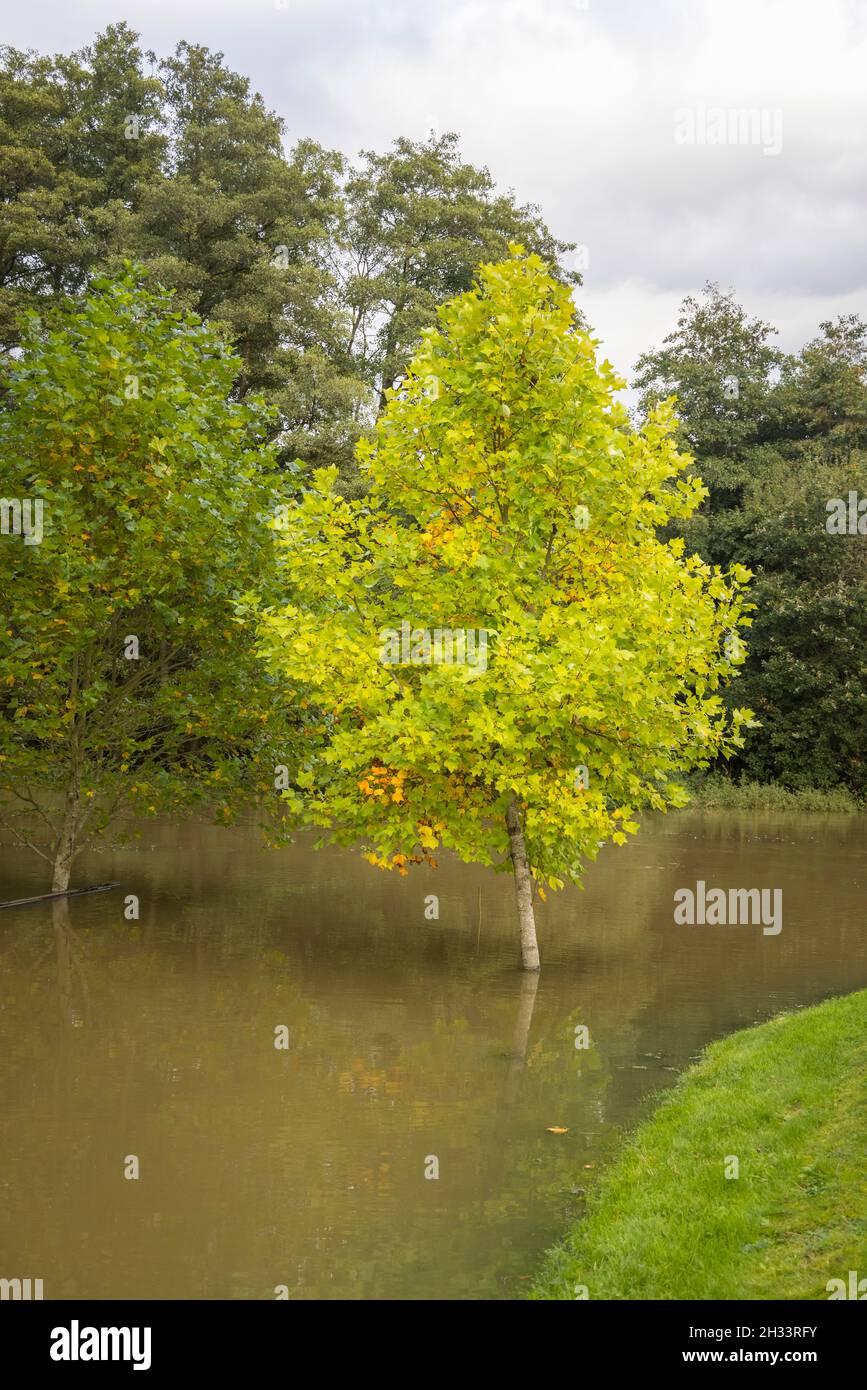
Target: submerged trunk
521, 1038
523, 888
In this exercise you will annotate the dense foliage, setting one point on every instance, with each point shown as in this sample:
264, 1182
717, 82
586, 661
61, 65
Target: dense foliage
776, 438
127, 681
528, 520
156, 462
321, 273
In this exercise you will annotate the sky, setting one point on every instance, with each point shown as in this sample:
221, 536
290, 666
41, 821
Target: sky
677, 141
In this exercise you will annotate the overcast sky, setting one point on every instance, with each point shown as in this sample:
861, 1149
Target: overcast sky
618, 117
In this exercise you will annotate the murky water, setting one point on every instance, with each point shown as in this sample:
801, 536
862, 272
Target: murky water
409, 1040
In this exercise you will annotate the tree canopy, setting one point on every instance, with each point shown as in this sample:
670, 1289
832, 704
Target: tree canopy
777, 437
128, 680
510, 502
320, 272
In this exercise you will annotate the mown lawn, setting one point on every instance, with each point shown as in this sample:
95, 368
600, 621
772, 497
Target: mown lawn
788, 1099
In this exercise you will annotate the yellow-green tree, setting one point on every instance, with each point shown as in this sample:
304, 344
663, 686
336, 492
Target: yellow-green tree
507, 658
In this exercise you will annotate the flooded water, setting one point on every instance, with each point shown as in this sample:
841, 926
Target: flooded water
412, 1045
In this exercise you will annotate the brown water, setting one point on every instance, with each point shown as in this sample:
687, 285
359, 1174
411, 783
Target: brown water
408, 1039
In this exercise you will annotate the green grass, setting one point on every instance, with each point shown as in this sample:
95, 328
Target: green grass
716, 792
789, 1099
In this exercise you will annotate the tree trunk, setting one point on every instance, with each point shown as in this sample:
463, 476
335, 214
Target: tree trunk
65, 851
523, 888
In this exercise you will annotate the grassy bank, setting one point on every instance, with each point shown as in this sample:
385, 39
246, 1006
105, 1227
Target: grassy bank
716, 792
789, 1099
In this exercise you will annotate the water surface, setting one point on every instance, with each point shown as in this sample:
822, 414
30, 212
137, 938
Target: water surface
408, 1040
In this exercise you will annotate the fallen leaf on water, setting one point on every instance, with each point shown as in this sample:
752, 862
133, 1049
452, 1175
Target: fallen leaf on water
557, 1129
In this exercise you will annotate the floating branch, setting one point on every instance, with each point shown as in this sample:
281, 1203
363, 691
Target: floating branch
69, 893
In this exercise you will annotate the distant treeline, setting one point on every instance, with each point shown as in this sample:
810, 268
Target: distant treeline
781, 443
324, 273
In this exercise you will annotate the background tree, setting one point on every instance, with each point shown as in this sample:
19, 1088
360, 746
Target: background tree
182, 169
322, 275
529, 511
719, 363
240, 230
127, 681
65, 159
418, 222
776, 436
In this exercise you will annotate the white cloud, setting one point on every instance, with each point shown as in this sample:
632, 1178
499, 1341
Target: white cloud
573, 107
